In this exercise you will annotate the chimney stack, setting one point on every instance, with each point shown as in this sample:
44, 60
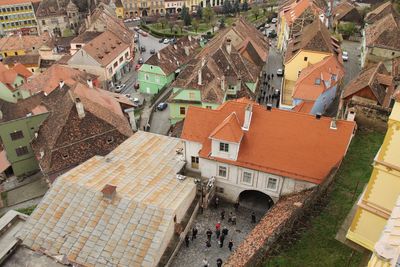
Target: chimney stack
109, 191
223, 83
228, 46
247, 117
318, 116
187, 51
90, 83
79, 108
132, 121
176, 47
61, 83
158, 55
190, 38
333, 124
199, 82
269, 106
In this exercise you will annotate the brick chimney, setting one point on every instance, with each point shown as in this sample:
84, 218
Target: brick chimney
61, 84
90, 83
109, 191
223, 83
79, 108
187, 52
199, 82
228, 46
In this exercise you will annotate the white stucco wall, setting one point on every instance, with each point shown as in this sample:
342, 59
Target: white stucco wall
191, 150
232, 154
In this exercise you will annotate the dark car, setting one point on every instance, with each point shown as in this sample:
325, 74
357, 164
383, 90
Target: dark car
161, 40
162, 106
272, 34
152, 51
140, 61
143, 48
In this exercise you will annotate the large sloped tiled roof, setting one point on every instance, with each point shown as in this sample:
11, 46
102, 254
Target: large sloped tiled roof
229, 130
342, 9
21, 109
380, 12
384, 33
314, 37
61, 102
24, 42
8, 76
306, 87
377, 78
51, 77
105, 48
287, 143
133, 228
171, 57
295, 9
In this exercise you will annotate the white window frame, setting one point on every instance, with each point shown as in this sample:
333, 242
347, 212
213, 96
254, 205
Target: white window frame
251, 177
225, 145
277, 184
226, 171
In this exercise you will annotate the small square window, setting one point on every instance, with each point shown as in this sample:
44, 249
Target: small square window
222, 171
247, 177
182, 110
22, 150
224, 147
209, 107
65, 155
110, 139
318, 81
272, 183
16, 135
305, 58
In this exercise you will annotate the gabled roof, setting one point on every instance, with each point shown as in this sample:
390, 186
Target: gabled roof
328, 71
27, 59
344, 8
377, 78
21, 109
229, 130
105, 48
61, 103
287, 143
8, 76
295, 9
50, 79
24, 42
384, 33
85, 37
172, 57
131, 229
380, 12
314, 37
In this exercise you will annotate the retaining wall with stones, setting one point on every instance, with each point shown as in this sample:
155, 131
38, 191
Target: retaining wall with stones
278, 221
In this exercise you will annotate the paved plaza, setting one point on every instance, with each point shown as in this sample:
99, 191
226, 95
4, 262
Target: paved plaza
193, 255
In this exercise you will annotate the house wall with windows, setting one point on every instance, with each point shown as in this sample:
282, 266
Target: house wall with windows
16, 136
152, 79
18, 17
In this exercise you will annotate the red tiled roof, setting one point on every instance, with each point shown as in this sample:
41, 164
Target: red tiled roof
286, 143
229, 130
306, 88
304, 107
8, 76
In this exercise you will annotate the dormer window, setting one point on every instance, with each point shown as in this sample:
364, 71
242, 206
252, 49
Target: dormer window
224, 147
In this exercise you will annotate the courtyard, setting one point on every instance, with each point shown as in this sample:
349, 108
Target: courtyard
196, 252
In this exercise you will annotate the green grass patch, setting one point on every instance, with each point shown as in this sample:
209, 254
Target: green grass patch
317, 246
28, 210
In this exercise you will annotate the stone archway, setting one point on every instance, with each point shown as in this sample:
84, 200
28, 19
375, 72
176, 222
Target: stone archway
255, 200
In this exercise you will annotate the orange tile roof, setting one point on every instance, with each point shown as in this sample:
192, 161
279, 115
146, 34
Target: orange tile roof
297, 8
229, 130
304, 107
286, 143
305, 87
8, 76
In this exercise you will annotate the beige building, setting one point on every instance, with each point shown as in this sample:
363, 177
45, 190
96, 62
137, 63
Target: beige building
122, 209
136, 8
18, 16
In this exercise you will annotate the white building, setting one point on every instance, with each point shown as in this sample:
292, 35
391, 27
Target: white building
247, 147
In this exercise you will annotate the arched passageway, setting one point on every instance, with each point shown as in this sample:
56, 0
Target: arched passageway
255, 200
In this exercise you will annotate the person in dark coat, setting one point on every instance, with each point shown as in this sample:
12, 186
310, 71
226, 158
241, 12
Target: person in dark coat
187, 240
230, 245
219, 262
221, 241
216, 202
222, 215
194, 232
217, 233
209, 234
225, 231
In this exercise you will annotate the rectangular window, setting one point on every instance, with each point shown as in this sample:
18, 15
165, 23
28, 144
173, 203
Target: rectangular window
224, 147
126, 55
247, 177
43, 22
305, 58
22, 150
272, 183
209, 107
222, 171
318, 81
195, 162
182, 110
146, 77
110, 70
121, 59
16, 135
116, 64
191, 95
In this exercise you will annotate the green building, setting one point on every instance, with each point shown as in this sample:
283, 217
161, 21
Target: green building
162, 68
18, 124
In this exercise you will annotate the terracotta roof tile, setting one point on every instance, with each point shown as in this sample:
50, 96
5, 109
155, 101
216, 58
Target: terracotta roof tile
28, 59
286, 143
8, 76
304, 107
380, 12
342, 9
24, 42
384, 33
229, 130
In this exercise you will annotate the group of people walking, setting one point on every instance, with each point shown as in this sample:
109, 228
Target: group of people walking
268, 92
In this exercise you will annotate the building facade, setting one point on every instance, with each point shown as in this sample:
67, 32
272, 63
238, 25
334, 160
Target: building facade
381, 193
18, 16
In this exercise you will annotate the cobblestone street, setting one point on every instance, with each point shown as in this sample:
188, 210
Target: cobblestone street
193, 255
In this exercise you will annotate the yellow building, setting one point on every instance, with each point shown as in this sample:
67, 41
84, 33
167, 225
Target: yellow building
310, 47
119, 9
17, 16
379, 197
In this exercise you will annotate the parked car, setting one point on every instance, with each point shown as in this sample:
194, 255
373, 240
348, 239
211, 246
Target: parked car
274, 20
128, 20
137, 67
345, 55
119, 88
161, 40
152, 51
140, 61
136, 28
272, 34
143, 48
267, 25
166, 41
136, 86
136, 101
262, 29
144, 34
136, 19
280, 72
172, 41
162, 106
